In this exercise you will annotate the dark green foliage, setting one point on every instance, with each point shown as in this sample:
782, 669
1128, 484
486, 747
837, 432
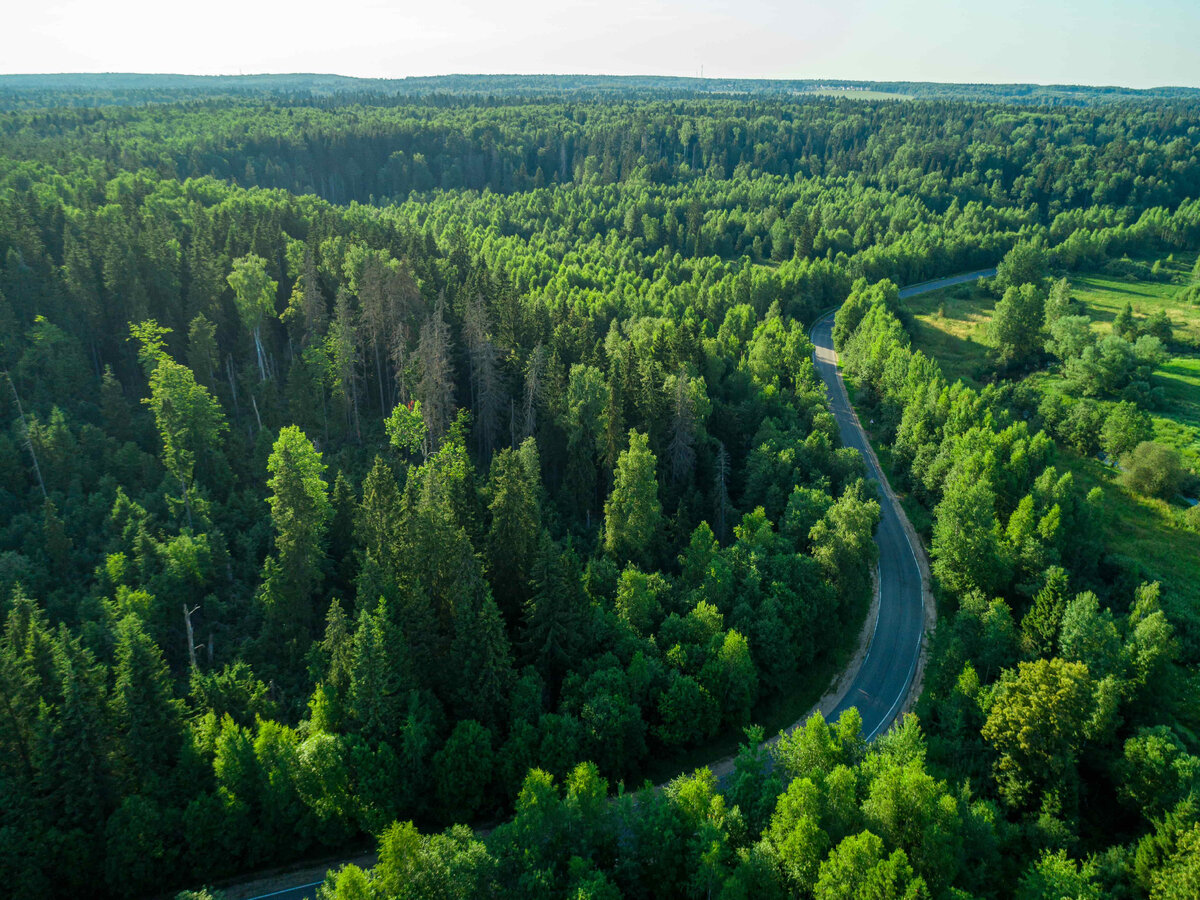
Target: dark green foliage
604, 511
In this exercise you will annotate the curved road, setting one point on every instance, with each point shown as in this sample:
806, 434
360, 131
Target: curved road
883, 681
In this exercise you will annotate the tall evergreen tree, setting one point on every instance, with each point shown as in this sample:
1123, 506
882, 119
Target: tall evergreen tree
300, 509
633, 514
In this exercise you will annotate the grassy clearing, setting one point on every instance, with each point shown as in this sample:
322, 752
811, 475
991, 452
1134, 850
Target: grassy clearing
951, 326
1144, 530
1106, 295
1177, 424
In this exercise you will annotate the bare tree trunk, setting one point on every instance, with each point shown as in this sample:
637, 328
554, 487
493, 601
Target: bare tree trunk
191, 638
37, 470
257, 417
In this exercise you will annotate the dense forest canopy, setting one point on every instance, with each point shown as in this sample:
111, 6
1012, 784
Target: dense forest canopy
372, 460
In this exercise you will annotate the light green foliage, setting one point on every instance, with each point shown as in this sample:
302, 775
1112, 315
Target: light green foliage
796, 834
1037, 724
1089, 635
561, 272
413, 866
1055, 876
632, 514
966, 550
858, 868
842, 541
300, 511
254, 294
1024, 264
406, 429
638, 599
1070, 336
190, 421
1124, 428
815, 748
1179, 877
911, 810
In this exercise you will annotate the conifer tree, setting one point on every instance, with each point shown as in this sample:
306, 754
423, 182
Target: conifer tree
633, 514
147, 718
512, 541
300, 513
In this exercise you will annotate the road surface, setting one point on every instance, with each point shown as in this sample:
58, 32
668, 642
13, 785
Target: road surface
938, 283
300, 892
882, 683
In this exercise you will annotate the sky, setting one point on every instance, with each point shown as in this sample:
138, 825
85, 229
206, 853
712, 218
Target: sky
1123, 42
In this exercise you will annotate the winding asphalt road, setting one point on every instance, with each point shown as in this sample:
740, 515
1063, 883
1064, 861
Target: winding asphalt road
887, 671
883, 681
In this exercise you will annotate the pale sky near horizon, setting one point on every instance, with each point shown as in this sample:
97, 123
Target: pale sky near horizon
1122, 42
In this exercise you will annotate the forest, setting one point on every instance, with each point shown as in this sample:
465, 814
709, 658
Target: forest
427, 472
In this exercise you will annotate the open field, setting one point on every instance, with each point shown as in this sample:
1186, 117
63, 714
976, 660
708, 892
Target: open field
951, 326
1145, 532
1106, 295
855, 93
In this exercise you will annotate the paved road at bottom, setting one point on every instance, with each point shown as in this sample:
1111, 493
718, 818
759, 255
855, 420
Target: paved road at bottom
883, 681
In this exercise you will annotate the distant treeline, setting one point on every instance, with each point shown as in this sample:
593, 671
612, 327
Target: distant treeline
94, 89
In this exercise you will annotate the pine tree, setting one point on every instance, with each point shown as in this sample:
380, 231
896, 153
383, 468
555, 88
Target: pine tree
551, 629
380, 675
633, 514
378, 527
487, 393
683, 428
1039, 627
202, 350
343, 542
342, 354
721, 505
189, 418
300, 513
482, 659
534, 393
147, 719
74, 740
512, 541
